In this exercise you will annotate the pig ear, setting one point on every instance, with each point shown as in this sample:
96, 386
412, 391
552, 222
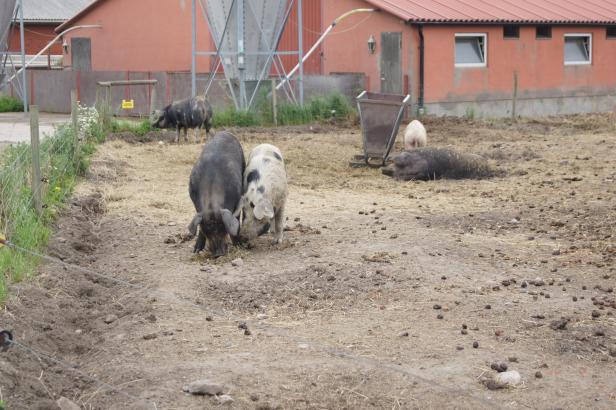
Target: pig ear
231, 223
264, 209
192, 228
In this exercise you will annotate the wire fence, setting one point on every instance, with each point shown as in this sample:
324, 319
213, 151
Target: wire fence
25, 235
35, 179
383, 364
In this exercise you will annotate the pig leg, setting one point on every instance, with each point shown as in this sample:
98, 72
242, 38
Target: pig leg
279, 222
208, 127
186, 134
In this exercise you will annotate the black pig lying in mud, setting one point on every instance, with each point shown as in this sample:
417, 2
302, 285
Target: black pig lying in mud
189, 113
215, 188
434, 163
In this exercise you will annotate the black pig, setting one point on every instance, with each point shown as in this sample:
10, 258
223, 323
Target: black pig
215, 188
433, 163
189, 113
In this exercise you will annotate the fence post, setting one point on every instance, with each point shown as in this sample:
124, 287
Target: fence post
274, 103
108, 98
36, 159
514, 101
75, 119
152, 100
97, 104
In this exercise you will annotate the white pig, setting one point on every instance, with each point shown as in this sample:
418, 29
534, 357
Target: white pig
415, 135
265, 193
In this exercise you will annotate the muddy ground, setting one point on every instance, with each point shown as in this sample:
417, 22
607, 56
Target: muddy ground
374, 299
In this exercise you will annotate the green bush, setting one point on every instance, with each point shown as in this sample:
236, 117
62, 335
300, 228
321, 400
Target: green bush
10, 104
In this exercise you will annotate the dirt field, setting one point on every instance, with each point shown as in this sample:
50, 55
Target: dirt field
362, 306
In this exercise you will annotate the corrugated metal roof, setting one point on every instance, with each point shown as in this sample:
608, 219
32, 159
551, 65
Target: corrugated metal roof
501, 11
53, 11
80, 13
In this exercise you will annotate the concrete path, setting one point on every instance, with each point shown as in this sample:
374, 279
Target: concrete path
15, 127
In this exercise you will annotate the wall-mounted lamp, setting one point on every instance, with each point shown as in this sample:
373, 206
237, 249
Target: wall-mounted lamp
65, 47
371, 44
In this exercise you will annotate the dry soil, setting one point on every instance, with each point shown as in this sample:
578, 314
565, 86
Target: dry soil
374, 299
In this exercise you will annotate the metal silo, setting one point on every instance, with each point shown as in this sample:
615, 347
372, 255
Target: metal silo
7, 12
247, 33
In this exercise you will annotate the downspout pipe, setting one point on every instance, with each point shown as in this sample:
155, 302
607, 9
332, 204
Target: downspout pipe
421, 69
320, 40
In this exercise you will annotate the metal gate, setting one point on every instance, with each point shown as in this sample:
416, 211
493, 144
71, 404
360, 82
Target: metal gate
391, 63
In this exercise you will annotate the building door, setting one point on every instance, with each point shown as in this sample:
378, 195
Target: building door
391, 63
81, 53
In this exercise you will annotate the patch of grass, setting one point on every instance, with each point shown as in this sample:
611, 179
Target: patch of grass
291, 114
470, 113
10, 104
230, 117
332, 106
18, 220
2, 405
140, 128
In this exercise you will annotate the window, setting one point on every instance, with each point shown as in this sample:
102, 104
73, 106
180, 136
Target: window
578, 49
471, 50
611, 32
544, 32
511, 31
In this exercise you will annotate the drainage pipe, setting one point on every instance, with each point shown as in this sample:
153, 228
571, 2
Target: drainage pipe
320, 40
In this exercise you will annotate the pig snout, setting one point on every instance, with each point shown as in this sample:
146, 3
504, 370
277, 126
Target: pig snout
217, 244
265, 229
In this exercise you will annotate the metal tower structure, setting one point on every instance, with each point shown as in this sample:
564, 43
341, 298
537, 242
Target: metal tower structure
10, 11
247, 34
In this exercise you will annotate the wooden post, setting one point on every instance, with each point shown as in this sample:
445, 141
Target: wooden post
107, 117
274, 103
108, 104
515, 96
152, 101
37, 193
75, 119
97, 104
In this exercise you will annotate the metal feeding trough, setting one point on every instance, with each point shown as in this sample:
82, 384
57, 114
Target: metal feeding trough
379, 116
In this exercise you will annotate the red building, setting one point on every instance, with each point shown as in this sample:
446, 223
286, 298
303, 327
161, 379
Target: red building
41, 18
461, 57
137, 36
469, 57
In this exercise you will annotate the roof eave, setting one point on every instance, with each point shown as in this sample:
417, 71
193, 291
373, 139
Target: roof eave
518, 22
41, 21
77, 16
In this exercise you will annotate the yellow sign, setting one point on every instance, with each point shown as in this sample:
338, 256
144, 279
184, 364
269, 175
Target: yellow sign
128, 104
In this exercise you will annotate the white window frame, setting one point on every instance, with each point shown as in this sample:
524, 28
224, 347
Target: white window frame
585, 62
485, 50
